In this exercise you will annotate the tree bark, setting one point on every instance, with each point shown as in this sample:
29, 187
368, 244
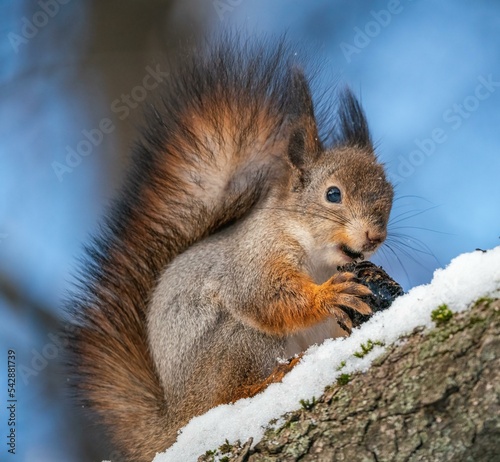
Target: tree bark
433, 397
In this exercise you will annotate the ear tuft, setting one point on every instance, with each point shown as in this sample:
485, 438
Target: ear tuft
353, 127
297, 149
303, 104
304, 144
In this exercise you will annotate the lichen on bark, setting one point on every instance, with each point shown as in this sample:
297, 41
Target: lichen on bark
433, 397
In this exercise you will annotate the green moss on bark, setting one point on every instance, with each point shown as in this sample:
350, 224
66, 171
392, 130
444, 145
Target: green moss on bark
434, 397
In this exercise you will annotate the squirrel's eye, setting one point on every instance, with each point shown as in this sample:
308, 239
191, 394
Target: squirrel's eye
334, 195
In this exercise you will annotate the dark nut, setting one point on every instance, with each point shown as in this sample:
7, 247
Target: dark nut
384, 288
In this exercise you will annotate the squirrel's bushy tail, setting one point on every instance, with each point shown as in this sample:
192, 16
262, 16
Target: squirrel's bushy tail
212, 146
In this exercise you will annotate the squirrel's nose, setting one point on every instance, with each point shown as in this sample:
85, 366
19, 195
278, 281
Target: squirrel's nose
374, 238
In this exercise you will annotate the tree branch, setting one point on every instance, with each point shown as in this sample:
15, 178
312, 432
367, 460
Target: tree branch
435, 396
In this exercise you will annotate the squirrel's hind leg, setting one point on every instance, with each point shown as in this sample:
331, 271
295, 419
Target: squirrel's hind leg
247, 391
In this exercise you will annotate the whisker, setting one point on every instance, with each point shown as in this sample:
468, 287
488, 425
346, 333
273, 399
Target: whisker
414, 248
388, 247
410, 214
423, 229
303, 211
411, 196
402, 248
398, 237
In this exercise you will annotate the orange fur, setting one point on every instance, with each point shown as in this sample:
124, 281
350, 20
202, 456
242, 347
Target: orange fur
299, 303
197, 277
277, 375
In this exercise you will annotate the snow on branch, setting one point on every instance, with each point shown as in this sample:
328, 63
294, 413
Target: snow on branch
466, 279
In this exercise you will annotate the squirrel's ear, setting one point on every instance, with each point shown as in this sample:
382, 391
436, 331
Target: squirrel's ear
304, 144
353, 127
296, 149
302, 103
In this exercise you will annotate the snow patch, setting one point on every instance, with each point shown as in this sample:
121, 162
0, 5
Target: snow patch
467, 278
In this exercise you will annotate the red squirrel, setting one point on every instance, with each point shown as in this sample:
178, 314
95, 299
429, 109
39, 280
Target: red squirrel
223, 246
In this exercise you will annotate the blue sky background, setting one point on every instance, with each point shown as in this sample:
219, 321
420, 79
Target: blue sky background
425, 70
416, 71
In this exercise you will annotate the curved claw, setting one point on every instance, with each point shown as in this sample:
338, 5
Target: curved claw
346, 300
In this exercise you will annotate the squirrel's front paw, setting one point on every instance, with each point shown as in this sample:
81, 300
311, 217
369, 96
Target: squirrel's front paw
384, 289
345, 298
